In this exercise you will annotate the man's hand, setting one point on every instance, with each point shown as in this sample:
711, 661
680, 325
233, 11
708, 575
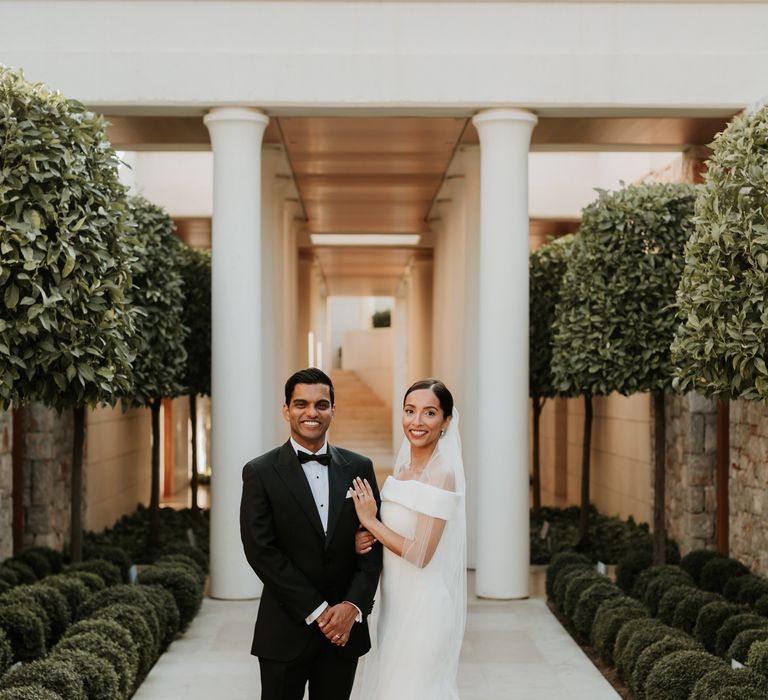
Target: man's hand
364, 541
336, 623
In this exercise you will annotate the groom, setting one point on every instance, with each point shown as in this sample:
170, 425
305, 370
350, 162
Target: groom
298, 526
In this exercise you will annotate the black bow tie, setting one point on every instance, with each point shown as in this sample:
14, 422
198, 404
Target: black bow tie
305, 457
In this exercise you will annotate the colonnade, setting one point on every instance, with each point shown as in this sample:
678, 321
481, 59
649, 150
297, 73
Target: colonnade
479, 338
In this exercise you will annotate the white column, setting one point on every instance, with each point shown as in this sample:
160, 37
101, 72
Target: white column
236, 396
502, 350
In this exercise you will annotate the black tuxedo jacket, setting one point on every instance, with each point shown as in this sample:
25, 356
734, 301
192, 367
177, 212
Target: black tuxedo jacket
300, 566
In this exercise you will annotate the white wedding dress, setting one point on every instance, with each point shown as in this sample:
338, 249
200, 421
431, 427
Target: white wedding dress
422, 599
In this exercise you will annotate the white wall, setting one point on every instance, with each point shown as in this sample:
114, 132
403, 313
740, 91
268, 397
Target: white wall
370, 354
176, 55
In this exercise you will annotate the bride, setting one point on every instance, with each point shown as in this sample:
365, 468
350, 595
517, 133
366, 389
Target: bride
423, 531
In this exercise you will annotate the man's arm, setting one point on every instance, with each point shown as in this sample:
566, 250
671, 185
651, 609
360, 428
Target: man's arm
273, 567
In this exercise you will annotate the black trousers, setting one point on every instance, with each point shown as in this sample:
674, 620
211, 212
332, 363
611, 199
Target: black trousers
329, 673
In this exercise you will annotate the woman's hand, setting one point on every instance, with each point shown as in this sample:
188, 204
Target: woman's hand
365, 503
364, 541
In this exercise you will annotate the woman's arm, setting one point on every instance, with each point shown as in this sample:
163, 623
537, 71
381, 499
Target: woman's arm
419, 550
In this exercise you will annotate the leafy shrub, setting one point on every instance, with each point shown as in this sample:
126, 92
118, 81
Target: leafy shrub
53, 602
732, 626
659, 585
54, 557
725, 683
25, 632
757, 658
693, 562
29, 692
563, 578
710, 619
24, 572
742, 643
688, 609
559, 561
131, 619
114, 555
107, 570
195, 553
648, 575
576, 586
9, 576
183, 560
57, 675
166, 610
73, 589
670, 600
182, 584
732, 588
100, 681
132, 595
93, 581
651, 655
752, 590
588, 604
674, 676
6, 653
112, 630
36, 561
629, 568
106, 649
638, 638
20, 597
610, 617
717, 572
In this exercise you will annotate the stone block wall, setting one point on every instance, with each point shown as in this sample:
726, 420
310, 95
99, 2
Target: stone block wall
691, 471
748, 484
46, 463
6, 484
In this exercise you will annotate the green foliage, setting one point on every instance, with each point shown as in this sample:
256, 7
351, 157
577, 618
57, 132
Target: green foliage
710, 619
158, 296
22, 597
659, 585
754, 588
652, 655
56, 674
757, 658
92, 581
111, 630
589, 603
559, 561
166, 610
688, 609
105, 569
546, 267
130, 618
114, 555
25, 631
732, 626
716, 573
194, 553
24, 572
382, 319
36, 561
720, 347
674, 676
6, 653
670, 599
743, 642
611, 616
645, 577
616, 316
630, 566
576, 586
728, 684
563, 579
182, 560
182, 583
29, 692
135, 596
694, 561
632, 638
53, 602
66, 334
100, 682
195, 268
732, 588
103, 647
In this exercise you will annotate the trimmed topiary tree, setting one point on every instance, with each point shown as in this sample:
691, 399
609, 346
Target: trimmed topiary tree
560, 561
589, 603
616, 316
694, 561
725, 683
652, 655
757, 658
710, 619
67, 336
158, 295
674, 676
638, 638
743, 642
720, 347
100, 682
656, 588
670, 599
29, 692
611, 616
688, 609
182, 583
56, 674
732, 626
716, 573
546, 267
195, 268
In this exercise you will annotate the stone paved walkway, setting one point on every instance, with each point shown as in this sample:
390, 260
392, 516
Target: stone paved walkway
512, 651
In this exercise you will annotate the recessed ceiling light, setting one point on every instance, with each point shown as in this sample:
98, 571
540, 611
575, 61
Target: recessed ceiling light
362, 239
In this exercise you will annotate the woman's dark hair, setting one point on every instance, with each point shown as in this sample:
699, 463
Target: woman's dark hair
312, 375
438, 389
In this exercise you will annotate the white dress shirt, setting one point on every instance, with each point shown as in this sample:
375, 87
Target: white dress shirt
317, 477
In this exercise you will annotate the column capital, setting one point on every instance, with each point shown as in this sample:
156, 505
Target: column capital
235, 114
505, 115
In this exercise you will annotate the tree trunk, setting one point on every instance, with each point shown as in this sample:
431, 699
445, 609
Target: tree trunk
154, 500
538, 404
76, 486
659, 480
193, 421
585, 461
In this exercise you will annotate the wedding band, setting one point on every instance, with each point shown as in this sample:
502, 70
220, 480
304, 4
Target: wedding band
337, 636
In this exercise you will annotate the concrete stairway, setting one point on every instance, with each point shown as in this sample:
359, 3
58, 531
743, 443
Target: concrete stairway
363, 422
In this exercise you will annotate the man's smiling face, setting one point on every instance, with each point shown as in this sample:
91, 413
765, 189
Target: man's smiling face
309, 414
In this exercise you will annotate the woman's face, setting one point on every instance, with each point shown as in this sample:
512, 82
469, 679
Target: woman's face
423, 419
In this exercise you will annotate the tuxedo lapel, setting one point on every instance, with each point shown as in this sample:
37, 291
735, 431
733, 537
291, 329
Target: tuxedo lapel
290, 471
339, 481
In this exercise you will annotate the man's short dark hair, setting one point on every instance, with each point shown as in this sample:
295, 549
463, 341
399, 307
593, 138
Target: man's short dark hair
311, 375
